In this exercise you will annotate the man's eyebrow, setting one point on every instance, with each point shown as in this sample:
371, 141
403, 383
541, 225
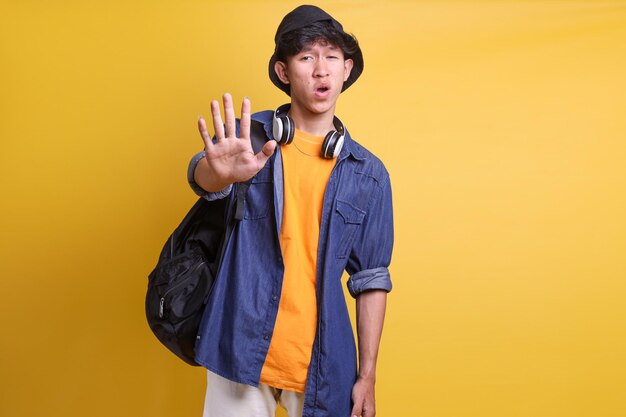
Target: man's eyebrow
309, 48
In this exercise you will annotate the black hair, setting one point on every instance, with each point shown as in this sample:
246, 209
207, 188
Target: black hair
291, 43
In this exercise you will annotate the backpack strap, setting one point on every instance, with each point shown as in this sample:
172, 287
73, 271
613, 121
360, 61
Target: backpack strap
240, 199
258, 139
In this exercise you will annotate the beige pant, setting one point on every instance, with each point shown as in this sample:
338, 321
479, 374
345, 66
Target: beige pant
225, 398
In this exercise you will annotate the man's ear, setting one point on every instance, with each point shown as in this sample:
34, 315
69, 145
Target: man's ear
347, 65
280, 68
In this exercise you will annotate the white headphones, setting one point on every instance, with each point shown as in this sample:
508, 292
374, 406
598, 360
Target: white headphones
283, 129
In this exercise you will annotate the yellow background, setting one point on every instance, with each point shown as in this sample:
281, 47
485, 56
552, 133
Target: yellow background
503, 125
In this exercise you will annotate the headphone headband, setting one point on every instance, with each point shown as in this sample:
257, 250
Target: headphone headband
284, 110
283, 130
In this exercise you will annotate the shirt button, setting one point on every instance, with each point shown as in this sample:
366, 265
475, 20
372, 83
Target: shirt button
266, 337
275, 298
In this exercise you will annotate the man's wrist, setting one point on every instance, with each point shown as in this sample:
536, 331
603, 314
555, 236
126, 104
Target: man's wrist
202, 177
368, 376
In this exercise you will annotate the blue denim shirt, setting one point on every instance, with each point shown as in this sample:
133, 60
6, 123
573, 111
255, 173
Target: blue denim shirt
356, 235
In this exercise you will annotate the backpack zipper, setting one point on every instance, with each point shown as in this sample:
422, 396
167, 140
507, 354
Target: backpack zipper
183, 281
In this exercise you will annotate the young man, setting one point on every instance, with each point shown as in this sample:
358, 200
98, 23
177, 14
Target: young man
276, 326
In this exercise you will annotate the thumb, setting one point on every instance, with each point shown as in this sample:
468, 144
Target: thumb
267, 151
356, 410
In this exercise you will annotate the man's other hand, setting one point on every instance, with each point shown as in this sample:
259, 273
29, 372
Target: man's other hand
363, 398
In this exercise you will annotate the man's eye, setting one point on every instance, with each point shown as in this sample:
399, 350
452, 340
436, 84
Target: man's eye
306, 58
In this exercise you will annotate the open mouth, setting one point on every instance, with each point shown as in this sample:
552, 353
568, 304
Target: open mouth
322, 89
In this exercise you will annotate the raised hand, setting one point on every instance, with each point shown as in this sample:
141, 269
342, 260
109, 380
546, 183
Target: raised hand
230, 159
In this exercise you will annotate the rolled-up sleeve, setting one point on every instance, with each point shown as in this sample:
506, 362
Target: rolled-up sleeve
199, 190
368, 263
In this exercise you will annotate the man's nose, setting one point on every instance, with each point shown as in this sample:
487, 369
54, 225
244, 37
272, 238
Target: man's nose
321, 68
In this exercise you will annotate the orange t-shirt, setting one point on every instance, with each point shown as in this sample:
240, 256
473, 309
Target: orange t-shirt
305, 175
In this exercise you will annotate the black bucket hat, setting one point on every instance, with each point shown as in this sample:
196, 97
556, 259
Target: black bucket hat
303, 16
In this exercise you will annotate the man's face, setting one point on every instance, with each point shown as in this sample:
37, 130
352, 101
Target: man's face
315, 75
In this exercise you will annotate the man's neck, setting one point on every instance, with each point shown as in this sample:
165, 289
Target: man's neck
317, 124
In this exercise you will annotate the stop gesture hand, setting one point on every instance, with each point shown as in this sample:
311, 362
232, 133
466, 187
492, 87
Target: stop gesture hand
230, 158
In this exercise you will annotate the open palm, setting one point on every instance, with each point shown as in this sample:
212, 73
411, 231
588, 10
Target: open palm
230, 158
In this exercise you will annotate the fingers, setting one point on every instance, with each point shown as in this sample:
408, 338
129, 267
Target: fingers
356, 411
229, 129
206, 138
244, 125
363, 408
229, 115
217, 120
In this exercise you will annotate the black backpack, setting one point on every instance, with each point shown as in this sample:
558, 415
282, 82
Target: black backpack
180, 284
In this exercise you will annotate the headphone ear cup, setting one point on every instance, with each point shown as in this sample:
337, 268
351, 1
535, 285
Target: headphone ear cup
277, 129
331, 147
283, 130
289, 131
330, 144
338, 146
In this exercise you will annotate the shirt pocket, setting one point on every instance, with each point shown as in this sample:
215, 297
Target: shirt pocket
352, 217
259, 198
